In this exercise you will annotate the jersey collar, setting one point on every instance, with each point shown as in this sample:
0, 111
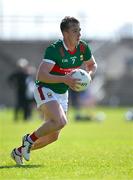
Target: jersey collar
66, 48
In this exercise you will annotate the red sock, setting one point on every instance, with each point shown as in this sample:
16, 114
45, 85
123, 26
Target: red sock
20, 149
33, 137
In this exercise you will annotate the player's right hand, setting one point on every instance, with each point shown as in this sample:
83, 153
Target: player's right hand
71, 82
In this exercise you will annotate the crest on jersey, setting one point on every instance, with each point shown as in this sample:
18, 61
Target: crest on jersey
82, 51
81, 57
49, 94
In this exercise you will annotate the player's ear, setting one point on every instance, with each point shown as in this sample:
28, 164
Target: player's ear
64, 33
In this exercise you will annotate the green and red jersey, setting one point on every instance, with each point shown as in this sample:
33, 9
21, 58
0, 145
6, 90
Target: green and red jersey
65, 61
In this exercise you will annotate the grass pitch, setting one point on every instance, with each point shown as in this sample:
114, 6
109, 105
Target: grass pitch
84, 151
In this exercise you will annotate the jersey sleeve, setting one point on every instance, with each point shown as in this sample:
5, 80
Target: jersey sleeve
50, 54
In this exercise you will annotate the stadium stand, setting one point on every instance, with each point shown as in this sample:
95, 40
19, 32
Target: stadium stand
115, 70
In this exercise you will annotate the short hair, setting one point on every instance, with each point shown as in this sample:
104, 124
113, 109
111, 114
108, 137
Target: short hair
64, 25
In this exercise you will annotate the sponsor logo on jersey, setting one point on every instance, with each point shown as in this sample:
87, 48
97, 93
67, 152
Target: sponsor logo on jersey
60, 70
64, 60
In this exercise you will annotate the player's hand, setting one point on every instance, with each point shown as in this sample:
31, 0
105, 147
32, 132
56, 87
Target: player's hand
71, 82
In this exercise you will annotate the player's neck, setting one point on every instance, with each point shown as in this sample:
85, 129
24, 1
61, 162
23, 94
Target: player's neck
70, 46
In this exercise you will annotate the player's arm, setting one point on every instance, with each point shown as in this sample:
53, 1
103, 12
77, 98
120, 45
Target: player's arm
91, 66
43, 75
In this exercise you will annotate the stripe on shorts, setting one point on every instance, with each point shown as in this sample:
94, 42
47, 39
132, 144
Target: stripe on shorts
41, 93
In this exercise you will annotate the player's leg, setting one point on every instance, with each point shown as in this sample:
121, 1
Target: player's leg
45, 140
50, 138
57, 120
44, 135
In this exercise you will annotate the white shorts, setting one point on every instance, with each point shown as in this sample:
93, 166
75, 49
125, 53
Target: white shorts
43, 95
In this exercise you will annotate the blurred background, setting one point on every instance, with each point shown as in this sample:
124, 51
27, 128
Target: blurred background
27, 28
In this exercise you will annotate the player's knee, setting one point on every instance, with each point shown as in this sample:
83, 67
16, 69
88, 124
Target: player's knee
62, 122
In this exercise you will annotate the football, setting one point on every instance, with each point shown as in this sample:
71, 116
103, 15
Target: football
84, 77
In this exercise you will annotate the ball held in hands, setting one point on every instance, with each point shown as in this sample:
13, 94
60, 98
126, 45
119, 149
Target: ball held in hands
85, 79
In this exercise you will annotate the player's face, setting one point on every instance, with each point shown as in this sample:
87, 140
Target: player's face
73, 33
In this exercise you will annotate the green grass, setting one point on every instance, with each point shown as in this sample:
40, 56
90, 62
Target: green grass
84, 151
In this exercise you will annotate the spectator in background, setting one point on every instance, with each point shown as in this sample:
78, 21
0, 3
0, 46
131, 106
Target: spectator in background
22, 81
79, 101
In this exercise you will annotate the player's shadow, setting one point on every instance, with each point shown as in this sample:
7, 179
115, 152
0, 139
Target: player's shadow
19, 166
